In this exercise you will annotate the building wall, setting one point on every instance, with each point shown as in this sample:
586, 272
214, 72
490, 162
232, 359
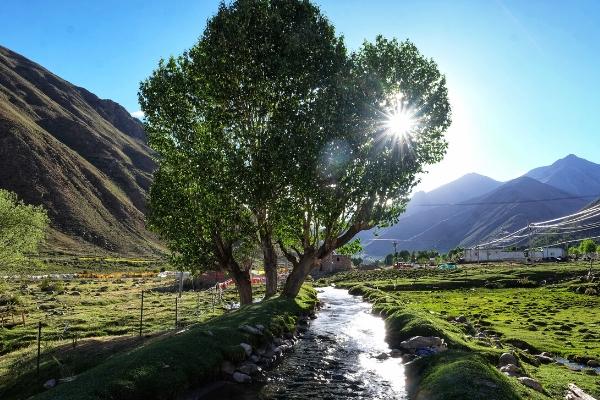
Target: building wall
483, 255
332, 264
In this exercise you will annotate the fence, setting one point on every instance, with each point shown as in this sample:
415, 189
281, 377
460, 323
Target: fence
47, 330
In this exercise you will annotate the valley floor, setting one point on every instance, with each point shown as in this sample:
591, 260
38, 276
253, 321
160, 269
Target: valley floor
484, 311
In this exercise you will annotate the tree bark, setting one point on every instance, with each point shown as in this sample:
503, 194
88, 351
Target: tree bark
243, 284
298, 275
270, 264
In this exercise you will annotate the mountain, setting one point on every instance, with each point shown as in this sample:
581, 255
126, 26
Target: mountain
464, 188
83, 158
507, 208
571, 174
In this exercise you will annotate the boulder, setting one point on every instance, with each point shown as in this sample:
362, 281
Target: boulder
247, 348
510, 370
544, 359
507, 358
240, 377
593, 363
382, 356
395, 353
461, 318
419, 342
248, 368
532, 383
50, 383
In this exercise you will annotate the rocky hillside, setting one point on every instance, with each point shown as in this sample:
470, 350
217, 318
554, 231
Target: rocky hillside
85, 159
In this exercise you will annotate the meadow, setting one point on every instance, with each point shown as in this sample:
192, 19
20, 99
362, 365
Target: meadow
86, 319
525, 309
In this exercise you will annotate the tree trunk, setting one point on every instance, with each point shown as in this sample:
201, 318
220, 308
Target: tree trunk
270, 264
243, 285
298, 275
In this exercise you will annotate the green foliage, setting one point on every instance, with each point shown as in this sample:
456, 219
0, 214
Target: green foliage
48, 285
587, 246
351, 248
22, 228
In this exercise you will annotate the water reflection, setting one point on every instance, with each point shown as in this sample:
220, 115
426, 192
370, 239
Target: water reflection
337, 357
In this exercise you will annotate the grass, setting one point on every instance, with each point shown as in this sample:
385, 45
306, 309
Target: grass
168, 366
530, 308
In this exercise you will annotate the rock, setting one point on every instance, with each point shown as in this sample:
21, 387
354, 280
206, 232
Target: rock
248, 368
546, 354
593, 363
461, 318
277, 341
247, 348
419, 342
250, 329
510, 370
240, 377
575, 393
382, 356
408, 358
50, 383
227, 367
75, 293
254, 358
260, 327
507, 358
590, 371
544, 359
532, 383
395, 353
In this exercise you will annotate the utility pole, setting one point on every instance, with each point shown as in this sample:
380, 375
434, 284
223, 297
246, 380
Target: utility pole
395, 258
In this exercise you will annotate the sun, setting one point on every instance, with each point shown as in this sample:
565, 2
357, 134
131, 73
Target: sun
401, 120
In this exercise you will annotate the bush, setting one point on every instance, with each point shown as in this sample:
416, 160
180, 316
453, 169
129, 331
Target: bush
48, 285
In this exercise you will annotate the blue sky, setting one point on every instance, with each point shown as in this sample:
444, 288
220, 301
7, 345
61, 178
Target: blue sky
523, 76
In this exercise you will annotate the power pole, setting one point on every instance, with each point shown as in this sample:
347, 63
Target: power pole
395, 258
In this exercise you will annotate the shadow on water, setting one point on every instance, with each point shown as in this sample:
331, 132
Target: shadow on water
335, 359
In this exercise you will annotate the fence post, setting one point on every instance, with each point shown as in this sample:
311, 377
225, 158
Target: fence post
142, 313
176, 310
39, 338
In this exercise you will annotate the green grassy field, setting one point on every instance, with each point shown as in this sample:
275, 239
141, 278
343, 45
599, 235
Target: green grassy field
87, 319
525, 309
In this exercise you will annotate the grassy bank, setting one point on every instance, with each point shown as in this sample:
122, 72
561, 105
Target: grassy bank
167, 366
529, 309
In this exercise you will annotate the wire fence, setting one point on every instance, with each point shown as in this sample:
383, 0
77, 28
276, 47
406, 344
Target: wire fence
43, 335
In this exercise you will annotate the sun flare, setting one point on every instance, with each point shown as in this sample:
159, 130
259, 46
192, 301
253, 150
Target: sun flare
401, 120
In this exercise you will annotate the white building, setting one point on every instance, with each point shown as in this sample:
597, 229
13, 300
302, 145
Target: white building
485, 255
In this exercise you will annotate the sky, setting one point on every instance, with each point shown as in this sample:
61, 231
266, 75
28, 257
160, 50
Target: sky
523, 76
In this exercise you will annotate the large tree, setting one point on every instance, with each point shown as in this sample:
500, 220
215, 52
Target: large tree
259, 66
357, 163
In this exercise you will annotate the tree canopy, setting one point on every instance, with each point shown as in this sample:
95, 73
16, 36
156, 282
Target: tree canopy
269, 132
22, 228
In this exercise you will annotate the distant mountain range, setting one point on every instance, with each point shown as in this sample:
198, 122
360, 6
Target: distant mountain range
476, 208
83, 158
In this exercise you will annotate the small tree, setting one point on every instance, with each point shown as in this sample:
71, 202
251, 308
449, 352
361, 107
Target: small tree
22, 228
588, 247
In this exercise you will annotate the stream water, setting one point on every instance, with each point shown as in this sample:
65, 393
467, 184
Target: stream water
334, 359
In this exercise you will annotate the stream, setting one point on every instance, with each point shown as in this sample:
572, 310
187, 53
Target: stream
334, 359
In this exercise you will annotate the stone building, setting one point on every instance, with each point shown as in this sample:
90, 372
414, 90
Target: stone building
332, 264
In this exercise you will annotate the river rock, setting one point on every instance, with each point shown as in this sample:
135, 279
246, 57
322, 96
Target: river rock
260, 327
532, 383
50, 383
546, 354
250, 329
254, 358
396, 353
277, 341
593, 363
247, 348
461, 318
248, 368
544, 359
227, 367
240, 377
419, 342
507, 358
382, 356
510, 370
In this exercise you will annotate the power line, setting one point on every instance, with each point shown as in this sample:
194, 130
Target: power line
484, 203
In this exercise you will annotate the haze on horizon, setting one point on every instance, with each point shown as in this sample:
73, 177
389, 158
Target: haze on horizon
520, 74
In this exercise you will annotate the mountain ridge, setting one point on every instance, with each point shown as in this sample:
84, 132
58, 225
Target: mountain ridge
83, 158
